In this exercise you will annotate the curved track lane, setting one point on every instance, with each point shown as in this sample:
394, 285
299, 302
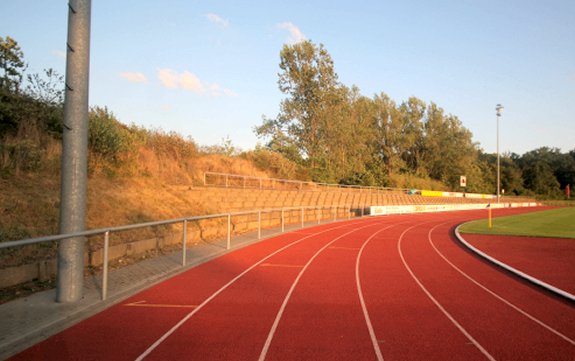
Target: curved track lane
393, 288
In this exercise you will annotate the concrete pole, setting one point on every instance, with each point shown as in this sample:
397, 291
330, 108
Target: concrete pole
70, 281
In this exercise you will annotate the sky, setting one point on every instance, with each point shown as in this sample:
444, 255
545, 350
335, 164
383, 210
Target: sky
208, 69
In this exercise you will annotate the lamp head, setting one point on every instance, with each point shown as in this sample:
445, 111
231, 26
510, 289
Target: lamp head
498, 109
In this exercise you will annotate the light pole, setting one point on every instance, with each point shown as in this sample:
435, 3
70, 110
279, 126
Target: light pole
498, 109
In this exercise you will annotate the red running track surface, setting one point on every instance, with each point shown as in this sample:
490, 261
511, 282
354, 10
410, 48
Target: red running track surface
394, 288
525, 254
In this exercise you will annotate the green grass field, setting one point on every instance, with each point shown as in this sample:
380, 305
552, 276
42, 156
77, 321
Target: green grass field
559, 222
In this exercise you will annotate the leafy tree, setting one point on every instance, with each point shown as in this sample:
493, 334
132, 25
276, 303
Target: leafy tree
511, 176
539, 178
387, 133
11, 64
308, 78
412, 115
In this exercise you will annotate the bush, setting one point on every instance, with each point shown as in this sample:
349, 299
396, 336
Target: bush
23, 154
170, 144
273, 162
105, 135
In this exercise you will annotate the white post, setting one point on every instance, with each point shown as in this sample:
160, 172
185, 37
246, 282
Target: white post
228, 246
259, 224
105, 266
184, 239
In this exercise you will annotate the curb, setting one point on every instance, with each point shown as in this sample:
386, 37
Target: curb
557, 291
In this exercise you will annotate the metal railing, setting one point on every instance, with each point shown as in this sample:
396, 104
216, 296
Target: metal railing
286, 216
228, 180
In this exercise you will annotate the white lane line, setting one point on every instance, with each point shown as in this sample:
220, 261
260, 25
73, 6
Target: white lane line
279, 315
374, 339
223, 288
447, 314
517, 272
345, 248
157, 305
518, 309
279, 265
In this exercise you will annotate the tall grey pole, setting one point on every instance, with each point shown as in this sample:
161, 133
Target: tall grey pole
498, 109
70, 280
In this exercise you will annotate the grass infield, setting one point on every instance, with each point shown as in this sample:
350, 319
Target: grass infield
558, 222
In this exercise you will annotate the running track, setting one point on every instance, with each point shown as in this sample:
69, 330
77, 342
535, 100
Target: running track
393, 288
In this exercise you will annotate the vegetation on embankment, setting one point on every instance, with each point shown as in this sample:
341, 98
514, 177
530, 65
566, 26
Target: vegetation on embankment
326, 132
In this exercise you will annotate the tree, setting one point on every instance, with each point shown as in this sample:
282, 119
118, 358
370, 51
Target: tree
539, 178
412, 115
511, 176
309, 80
387, 133
11, 64
561, 167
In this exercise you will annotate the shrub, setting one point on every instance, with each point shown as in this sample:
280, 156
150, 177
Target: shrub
105, 135
20, 154
273, 162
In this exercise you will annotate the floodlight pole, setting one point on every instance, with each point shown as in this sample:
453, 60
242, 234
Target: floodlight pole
70, 280
498, 109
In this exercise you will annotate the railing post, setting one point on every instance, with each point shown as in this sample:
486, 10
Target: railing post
259, 224
184, 239
105, 266
229, 244
283, 221
318, 215
302, 218
226, 181
334, 213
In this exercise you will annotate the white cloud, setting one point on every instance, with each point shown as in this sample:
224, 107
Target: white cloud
168, 77
191, 82
59, 54
218, 20
216, 90
296, 35
134, 77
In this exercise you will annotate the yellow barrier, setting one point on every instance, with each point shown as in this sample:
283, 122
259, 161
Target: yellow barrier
432, 193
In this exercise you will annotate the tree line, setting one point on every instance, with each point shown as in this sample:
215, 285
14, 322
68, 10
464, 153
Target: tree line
325, 132
342, 136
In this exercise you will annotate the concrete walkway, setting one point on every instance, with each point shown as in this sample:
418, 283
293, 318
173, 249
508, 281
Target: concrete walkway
29, 320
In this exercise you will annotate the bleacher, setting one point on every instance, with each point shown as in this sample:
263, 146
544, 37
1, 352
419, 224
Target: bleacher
236, 193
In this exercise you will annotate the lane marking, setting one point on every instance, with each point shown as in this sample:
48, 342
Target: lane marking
500, 298
517, 272
434, 300
224, 287
157, 305
281, 265
374, 341
345, 248
279, 315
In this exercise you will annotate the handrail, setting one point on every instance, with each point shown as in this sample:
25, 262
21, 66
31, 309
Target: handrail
106, 231
300, 184
228, 177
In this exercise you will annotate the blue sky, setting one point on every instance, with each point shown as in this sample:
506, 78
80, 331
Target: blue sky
208, 68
